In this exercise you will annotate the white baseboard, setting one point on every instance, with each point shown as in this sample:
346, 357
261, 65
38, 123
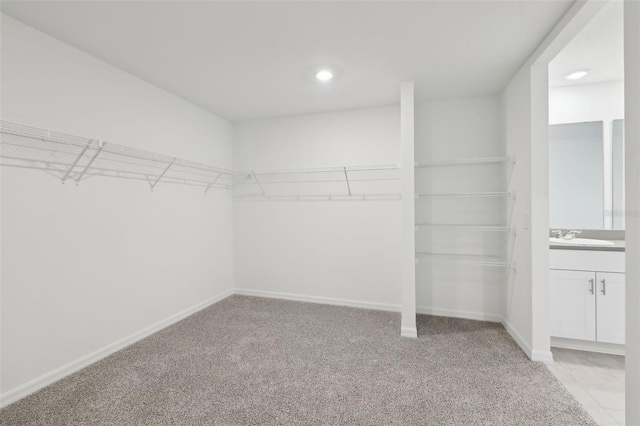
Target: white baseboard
518, 339
451, 313
38, 383
319, 299
584, 345
411, 332
478, 316
542, 356
533, 354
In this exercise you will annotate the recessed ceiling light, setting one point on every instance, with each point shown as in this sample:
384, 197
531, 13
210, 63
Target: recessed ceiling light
577, 75
324, 75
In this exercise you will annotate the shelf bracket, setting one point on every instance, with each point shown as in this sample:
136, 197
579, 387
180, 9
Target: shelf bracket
258, 182
163, 173
347, 179
100, 147
75, 163
211, 184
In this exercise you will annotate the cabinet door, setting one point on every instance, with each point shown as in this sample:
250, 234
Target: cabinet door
610, 307
573, 304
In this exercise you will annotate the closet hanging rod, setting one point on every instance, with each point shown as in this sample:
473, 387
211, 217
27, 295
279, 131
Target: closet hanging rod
336, 179
41, 135
159, 165
76, 157
466, 194
97, 172
338, 197
363, 182
479, 228
340, 169
467, 162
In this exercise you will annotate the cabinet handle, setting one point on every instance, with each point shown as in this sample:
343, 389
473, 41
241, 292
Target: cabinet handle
591, 286
603, 290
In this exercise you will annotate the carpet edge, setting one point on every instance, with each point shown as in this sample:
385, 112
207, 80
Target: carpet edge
21, 391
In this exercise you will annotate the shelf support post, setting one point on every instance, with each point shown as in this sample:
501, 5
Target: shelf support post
211, 184
258, 182
100, 147
75, 163
347, 179
163, 173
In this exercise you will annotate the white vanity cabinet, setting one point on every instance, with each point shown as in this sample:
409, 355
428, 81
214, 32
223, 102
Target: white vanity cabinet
573, 306
610, 307
587, 295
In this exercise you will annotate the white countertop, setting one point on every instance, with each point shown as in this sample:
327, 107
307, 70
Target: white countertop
619, 245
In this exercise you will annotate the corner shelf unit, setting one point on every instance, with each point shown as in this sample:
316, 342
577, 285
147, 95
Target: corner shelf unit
74, 158
462, 259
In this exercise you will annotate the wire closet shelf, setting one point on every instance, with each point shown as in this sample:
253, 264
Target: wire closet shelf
454, 259
468, 162
73, 158
344, 183
498, 194
465, 228
460, 259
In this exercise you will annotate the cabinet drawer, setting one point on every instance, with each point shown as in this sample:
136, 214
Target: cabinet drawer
586, 260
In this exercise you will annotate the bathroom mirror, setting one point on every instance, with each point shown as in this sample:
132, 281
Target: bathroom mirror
576, 167
586, 175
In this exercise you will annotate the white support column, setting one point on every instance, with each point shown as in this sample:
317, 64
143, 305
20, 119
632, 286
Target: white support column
632, 206
407, 136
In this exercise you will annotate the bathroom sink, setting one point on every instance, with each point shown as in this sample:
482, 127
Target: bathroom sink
581, 242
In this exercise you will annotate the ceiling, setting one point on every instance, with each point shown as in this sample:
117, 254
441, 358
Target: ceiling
251, 60
598, 47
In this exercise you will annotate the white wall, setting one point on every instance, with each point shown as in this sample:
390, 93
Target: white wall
450, 130
525, 104
516, 104
525, 109
586, 102
86, 266
346, 251
351, 251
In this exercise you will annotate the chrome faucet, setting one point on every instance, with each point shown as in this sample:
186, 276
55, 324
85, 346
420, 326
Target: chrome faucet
570, 235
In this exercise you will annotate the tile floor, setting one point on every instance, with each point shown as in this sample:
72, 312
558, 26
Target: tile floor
595, 380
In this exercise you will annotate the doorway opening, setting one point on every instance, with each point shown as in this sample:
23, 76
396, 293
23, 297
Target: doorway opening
586, 215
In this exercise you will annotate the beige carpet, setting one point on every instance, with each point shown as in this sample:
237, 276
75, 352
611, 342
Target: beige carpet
251, 361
